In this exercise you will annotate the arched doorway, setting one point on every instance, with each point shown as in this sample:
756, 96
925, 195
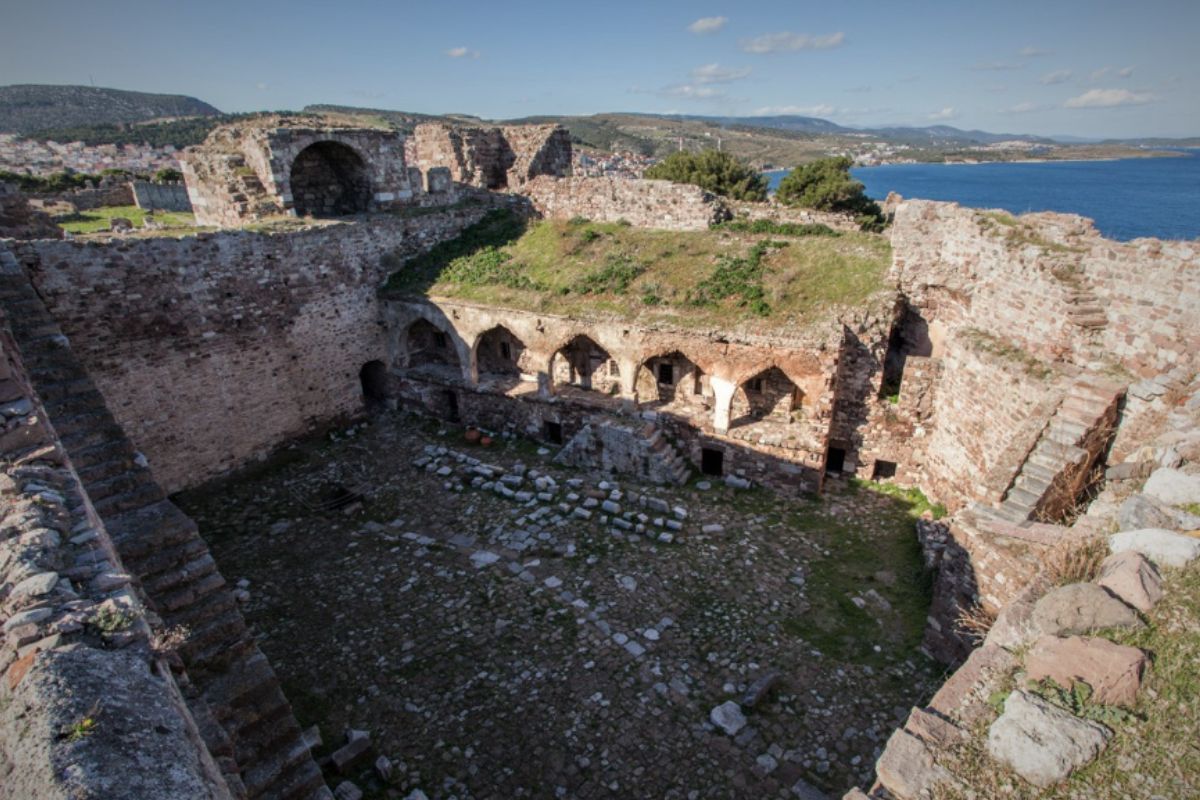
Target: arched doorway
584, 364
670, 379
769, 395
499, 353
426, 345
374, 381
329, 179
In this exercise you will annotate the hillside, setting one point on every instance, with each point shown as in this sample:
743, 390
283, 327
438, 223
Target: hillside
27, 108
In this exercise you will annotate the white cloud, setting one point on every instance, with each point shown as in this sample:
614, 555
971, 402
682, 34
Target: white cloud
821, 110
462, 52
1023, 108
1124, 72
707, 25
692, 91
946, 113
1030, 51
1058, 76
1109, 98
997, 66
785, 41
715, 73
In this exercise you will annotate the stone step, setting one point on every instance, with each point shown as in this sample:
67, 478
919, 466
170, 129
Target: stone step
104, 469
1022, 498
52, 391
199, 564
1013, 512
300, 779
1036, 487
190, 593
103, 434
144, 495
120, 483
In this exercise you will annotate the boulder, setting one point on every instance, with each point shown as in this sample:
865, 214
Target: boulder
728, 717
1173, 487
759, 689
1139, 511
1113, 671
1165, 548
1132, 578
1042, 743
1079, 608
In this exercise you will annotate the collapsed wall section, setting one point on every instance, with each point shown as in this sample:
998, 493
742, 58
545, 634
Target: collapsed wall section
214, 349
642, 203
492, 158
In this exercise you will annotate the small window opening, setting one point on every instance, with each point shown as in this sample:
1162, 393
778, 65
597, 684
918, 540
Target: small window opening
666, 374
505, 351
755, 385
554, 432
451, 398
613, 369
883, 470
835, 460
712, 461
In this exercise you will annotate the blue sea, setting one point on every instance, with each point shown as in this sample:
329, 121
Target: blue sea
1127, 198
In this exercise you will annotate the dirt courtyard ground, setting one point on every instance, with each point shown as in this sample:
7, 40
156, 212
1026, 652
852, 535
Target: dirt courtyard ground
504, 627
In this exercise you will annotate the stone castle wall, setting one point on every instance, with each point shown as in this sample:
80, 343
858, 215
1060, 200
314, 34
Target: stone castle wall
491, 158
213, 349
642, 203
161, 196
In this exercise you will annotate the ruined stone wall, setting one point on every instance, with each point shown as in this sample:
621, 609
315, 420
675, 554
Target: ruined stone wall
60, 574
491, 158
161, 196
215, 348
109, 191
19, 220
642, 203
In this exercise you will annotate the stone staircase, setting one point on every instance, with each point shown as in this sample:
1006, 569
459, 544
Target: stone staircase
233, 693
656, 441
1075, 436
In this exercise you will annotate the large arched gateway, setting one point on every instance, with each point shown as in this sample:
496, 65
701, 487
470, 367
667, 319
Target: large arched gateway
330, 179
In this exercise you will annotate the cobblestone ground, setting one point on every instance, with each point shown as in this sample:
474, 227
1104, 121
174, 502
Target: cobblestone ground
504, 627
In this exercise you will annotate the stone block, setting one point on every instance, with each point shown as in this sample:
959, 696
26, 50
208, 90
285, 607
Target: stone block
1132, 579
1113, 671
907, 768
1173, 487
1079, 608
1165, 548
1041, 743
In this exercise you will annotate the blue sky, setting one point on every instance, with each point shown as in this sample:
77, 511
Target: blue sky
1089, 68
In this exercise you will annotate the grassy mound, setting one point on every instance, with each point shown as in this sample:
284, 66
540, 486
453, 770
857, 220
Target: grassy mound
773, 275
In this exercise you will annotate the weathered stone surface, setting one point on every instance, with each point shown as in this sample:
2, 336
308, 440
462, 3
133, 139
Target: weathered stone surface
1113, 671
1173, 487
646, 203
728, 717
1079, 608
759, 688
1165, 548
1132, 578
907, 768
1138, 511
1041, 743
350, 755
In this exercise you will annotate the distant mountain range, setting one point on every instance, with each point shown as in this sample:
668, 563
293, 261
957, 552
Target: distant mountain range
100, 116
28, 108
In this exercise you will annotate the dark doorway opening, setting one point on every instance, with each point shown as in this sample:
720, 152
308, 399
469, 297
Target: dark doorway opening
451, 398
666, 374
330, 179
883, 470
553, 432
712, 461
835, 459
373, 377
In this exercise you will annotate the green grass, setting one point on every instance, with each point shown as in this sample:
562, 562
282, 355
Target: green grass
97, 220
722, 276
913, 497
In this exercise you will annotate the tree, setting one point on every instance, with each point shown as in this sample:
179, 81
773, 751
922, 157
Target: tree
826, 185
718, 172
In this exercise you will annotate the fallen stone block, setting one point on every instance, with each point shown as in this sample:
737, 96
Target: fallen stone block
907, 768
760, 687
1132, 578
1079, 608
1113, 671
1041, 743
1173, 487
350, 755
347, 791
1165, 548
728, 717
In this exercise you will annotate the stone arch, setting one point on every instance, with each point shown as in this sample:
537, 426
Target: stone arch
427, 345
330, 179
672, 377
584, 364
500, 352
766, 394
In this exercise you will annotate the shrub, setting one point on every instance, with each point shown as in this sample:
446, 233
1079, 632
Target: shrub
779, 228
826, 185
168, 175
718, 172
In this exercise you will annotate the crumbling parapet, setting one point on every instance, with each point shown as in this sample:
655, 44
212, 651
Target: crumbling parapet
642, 203
492, 158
